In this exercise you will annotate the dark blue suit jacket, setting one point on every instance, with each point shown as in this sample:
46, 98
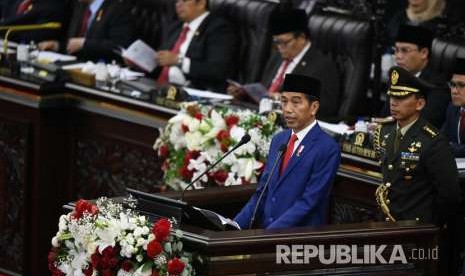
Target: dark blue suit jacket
300, 196
450, 130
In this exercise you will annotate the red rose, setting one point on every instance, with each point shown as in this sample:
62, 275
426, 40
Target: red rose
231, 120
163, 151
175, 266
184, 128
126, 265
198, 116
220, 176
186, 173
83, 206
153, 249
194, 154
161, 229
155, 273
95, 259
224, 148
223, 135
89, 271
107, 272
51, 262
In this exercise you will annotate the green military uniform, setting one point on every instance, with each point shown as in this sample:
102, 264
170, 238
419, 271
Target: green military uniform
420, 178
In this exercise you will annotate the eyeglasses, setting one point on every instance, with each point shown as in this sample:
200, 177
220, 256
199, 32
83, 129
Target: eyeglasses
458, 85
403, 50
282, 43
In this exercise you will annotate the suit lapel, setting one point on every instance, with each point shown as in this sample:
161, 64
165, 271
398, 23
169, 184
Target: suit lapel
305, 147
99, 15
302, 67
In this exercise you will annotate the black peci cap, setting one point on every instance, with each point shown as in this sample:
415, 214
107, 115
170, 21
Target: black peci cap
415, 35
288, 21
302, 84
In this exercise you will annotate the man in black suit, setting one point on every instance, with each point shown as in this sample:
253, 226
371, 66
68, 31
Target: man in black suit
26, 12
200, 50
297, 55
98, 29
454, 126
412, 52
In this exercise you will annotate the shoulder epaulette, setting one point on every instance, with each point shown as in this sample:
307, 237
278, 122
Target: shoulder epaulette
430, 131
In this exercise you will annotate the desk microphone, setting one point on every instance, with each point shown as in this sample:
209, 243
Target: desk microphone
20, 28
244, 140
281, 150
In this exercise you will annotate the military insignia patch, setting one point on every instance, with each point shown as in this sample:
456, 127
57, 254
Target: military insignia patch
394, 77
430, 131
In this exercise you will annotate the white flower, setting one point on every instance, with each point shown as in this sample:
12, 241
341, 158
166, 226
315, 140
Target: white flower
55, 242
123, 272
193, 140
237, 133
107, 236
140, 272
63, 223
200, 166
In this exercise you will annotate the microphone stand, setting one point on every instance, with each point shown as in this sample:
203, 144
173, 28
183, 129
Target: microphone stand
244, 140
21, 28
282, 148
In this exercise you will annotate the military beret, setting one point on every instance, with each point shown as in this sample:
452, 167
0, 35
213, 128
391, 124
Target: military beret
302, 84
288, 21
402, 83
459, 67
415, 35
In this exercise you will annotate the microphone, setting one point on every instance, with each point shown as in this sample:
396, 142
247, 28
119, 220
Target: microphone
244, 140
20, 28
281, 150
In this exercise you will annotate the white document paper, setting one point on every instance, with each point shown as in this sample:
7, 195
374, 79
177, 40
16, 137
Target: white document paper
460, 163
48, 56
141, 55
340, 128
207, 94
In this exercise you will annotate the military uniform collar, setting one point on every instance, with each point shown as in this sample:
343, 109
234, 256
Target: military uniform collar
406, 128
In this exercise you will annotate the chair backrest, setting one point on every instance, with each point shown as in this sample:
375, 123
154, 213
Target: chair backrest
153, 19
251, 20
349, 43
443, 55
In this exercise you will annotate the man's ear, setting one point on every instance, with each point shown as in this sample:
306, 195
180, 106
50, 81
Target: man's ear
314, 107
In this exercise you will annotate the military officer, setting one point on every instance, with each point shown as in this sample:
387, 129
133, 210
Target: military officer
420, 179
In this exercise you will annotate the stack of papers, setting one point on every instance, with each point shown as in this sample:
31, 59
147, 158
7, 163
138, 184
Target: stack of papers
51, 57
340, 128
207, 94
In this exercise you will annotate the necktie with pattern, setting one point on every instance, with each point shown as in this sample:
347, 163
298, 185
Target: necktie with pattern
163, 78
288, 154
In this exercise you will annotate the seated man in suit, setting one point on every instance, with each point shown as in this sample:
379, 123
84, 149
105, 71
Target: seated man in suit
200, 50
412, 52
97, 30
296, 193
26, 12
454, 126
297, 55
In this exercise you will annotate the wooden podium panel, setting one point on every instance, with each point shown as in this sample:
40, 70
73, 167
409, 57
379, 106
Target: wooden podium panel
254, 251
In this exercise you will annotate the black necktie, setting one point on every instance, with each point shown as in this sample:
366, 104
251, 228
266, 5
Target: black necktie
397, 139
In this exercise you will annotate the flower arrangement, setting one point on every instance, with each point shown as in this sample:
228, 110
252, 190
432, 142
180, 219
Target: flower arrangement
107, 239
198, 135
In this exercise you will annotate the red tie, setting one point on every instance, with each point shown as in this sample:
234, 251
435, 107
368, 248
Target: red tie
278, 81
23, 7
288, 154
163, 78
84, 23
